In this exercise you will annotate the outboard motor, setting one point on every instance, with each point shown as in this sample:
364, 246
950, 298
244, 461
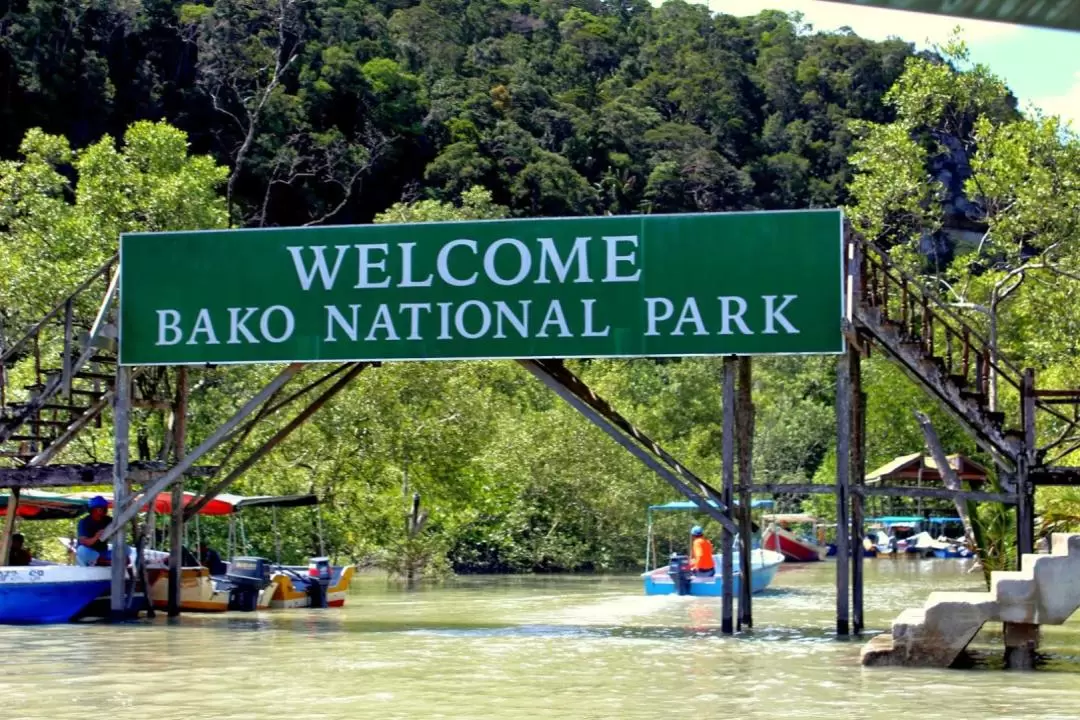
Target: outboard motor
248, 576
319, 574
679, 570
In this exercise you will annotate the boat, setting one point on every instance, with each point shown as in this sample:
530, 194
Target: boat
661, 581
794, 548
277, 586
764, 565
41, 593
293, 585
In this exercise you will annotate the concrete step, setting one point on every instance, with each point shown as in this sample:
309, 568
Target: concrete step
1065, 544
880, 651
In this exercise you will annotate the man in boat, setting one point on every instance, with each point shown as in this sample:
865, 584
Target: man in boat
209, 558
701, 554
19, 555
91, 547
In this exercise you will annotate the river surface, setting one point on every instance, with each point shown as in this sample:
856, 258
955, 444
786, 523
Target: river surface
529, 647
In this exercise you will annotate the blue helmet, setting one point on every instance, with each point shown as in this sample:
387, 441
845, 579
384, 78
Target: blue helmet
696, 531
98, 502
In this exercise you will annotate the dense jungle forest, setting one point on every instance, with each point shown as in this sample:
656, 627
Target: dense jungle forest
125, 115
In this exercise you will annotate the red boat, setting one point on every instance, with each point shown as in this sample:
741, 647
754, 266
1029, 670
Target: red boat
795, 549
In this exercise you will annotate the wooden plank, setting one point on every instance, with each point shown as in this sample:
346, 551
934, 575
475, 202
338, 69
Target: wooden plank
727, 576
9, 526
121, 420
176, 519
793, 489
948, 474
744, 421
56, 476
843, 469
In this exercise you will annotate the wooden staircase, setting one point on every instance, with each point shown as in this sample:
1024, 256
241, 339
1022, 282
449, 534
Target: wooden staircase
70, 360
940, 350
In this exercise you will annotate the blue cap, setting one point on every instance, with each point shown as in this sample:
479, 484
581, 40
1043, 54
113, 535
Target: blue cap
696, 530
98, 502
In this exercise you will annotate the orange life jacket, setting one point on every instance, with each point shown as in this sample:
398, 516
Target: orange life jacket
701, 555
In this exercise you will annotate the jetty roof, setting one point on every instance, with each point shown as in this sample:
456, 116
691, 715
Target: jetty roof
921, 467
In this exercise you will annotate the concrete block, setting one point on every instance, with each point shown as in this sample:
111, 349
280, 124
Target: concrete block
1065, 544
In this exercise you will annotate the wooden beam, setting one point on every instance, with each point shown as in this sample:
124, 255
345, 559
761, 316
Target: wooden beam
593, 416
858, 480
727, 577
92, 474
9, 526
1025, 506
121, 409
208, 444
176, 516
948, 474
843, 477
270, 444
744, 423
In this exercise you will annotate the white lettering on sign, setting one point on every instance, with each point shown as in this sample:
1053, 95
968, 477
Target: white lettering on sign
313, 263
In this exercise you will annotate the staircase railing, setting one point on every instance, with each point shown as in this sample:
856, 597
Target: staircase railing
55, 331
943, 334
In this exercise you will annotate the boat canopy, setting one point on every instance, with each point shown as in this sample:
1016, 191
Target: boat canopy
691, 505
37, 505
790, 518
223, 504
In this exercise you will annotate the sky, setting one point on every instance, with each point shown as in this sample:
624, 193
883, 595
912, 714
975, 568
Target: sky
1042, 67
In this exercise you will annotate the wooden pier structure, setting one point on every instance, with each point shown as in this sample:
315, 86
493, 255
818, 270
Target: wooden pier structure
885, 310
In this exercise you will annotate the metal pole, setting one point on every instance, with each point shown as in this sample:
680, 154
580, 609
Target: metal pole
843, 469
727, 577
176, 515
121, 420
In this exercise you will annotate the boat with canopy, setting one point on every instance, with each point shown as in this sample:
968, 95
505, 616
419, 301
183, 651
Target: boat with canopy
663, 579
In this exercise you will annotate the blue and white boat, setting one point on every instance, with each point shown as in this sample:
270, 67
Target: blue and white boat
764, 565
659, 581
40, 594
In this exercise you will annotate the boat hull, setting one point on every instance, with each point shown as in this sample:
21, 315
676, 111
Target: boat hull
197, 591
34, 595
765, 565
792, 548
290, 589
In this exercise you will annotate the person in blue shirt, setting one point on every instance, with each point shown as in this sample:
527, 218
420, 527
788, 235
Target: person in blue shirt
91, 548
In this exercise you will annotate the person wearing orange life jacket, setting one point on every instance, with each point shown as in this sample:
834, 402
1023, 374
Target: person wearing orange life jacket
701, 554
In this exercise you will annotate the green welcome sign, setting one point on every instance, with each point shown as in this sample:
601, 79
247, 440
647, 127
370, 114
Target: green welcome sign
629, 286
1061, 14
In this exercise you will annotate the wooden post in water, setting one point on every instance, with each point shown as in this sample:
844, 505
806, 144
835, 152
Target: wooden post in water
1025, 500
176, 521
744, 420
121, 420
843, 472
727, 491
858, 473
